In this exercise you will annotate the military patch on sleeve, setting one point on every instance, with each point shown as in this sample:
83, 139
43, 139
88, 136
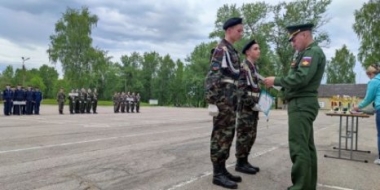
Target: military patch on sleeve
306, 61
215, 66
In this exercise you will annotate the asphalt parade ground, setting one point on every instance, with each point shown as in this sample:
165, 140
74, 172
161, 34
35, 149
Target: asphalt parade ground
163, 149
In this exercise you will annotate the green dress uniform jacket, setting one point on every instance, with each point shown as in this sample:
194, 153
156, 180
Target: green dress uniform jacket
301, 90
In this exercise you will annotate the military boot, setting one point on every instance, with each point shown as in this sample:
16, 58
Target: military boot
255, 167
231, 177
243, 166
220, 178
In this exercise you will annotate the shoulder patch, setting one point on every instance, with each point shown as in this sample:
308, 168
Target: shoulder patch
306, 61
215, 66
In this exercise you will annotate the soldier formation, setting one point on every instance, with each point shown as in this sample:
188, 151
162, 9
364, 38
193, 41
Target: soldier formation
80, 101
21, 101
126, 102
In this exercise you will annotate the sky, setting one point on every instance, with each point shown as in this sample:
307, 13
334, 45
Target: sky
166, 26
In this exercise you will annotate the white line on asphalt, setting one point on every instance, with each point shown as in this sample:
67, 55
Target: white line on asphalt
94, 140
253, 156
209, 173
334, 187
96, 125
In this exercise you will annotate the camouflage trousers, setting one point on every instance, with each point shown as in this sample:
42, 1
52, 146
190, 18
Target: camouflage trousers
246, 130
223, 131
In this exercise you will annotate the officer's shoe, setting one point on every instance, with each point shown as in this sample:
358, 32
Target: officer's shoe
220, 178
234, 178
243, 166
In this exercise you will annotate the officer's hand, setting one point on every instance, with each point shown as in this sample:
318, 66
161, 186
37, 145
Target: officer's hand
269, 81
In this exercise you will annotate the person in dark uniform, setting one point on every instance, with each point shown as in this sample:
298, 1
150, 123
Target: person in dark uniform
247, 116
221, 89
128, 101
71, 101
23, 107
82, 101
13, 89
116, 103
122, 100
7, 99
132, 97
37, 101
29, 99
300, 90
95, 101
18, 97
137, 100
77, 101
61, 98
89, 99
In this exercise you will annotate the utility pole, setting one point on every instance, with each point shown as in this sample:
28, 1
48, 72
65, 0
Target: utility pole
23, 68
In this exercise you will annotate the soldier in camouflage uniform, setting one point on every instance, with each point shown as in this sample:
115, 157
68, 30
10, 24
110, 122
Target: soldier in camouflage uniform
82, 101
72, 102
137, 100
128, 101
221, 89
95, 101
123, 100
247, 116
89, 98
133, 102
116, 103
61, 98
77, 101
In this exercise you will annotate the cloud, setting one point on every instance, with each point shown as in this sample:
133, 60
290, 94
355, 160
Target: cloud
165, 26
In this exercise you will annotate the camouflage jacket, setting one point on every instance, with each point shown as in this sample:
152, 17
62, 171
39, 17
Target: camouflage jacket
225, 65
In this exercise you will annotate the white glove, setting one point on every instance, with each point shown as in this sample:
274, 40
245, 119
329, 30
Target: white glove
213, 110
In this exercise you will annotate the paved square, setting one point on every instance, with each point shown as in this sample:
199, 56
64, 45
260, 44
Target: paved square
161, 149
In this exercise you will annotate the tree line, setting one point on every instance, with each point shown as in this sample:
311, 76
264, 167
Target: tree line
181, 82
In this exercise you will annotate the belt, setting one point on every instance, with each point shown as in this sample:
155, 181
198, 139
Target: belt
253, 94
230, 81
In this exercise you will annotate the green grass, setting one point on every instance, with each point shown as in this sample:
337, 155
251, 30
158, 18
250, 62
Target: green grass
100, 102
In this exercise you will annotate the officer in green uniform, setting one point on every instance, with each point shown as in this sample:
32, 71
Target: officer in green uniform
300, 90
221, 89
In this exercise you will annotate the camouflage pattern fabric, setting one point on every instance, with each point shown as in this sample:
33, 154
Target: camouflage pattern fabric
247, 118
223, 95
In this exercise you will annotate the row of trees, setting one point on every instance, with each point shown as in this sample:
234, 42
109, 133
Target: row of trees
171, 81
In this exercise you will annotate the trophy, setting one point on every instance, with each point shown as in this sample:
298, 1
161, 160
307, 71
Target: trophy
354, 101
335, 104
332, 103
345, 103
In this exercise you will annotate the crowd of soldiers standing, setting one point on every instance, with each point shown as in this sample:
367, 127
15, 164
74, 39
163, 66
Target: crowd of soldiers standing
126, 102
21, 101
80, 101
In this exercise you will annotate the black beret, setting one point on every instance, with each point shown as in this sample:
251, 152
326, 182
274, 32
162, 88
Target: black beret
248, 45
295, 29
232, 22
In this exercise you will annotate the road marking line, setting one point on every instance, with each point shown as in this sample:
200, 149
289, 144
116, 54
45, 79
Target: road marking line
253, 156
94, 140
210, 173
96, 125
334, 187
